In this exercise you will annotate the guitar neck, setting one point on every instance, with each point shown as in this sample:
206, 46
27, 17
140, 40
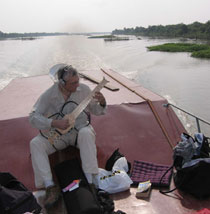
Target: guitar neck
87, 100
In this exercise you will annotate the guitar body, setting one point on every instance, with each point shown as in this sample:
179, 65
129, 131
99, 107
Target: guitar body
56, 134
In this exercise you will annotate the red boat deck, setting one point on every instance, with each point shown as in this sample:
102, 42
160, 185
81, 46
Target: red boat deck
136, 122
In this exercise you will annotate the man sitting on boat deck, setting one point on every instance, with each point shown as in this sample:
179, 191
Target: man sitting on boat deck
48, 114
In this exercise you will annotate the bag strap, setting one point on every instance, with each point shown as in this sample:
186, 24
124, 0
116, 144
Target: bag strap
177, 186
167, 191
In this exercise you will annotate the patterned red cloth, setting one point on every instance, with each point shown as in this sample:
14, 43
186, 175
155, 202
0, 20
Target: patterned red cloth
143, 171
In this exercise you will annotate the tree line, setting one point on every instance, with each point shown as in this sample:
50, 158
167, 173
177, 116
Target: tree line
16, 35
195, 30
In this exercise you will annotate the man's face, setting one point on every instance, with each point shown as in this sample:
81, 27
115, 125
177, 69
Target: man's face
72, 84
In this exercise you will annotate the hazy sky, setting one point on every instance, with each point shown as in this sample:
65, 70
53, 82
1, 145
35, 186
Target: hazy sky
97, 15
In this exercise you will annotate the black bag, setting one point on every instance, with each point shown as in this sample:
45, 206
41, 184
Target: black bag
192, 166
194, 180
81, 200
113, 158
15, 197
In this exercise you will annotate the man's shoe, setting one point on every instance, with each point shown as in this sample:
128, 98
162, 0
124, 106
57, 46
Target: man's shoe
52, 196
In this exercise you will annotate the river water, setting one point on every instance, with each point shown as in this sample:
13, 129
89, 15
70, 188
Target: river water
183, 80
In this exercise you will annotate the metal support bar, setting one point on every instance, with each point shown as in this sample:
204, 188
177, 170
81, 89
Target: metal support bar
197, 118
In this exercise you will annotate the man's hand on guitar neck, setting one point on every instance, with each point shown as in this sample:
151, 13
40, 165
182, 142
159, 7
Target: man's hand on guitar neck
100, 97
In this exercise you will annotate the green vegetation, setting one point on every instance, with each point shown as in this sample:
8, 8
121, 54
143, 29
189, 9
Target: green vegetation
178, 47
198, 50
116, 38
101, 37
201, 54
195, 30
108, 38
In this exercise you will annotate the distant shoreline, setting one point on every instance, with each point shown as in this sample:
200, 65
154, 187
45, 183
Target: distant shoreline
195, 30
35, 35
28, 35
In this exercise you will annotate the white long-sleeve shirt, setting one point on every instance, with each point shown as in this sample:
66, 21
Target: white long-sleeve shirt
52, 102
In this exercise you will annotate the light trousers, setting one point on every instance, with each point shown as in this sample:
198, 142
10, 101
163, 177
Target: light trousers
41, 148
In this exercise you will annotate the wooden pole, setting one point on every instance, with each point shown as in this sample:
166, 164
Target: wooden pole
150, 105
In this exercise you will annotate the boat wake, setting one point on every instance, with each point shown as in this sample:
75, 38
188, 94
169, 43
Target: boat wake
186, 120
